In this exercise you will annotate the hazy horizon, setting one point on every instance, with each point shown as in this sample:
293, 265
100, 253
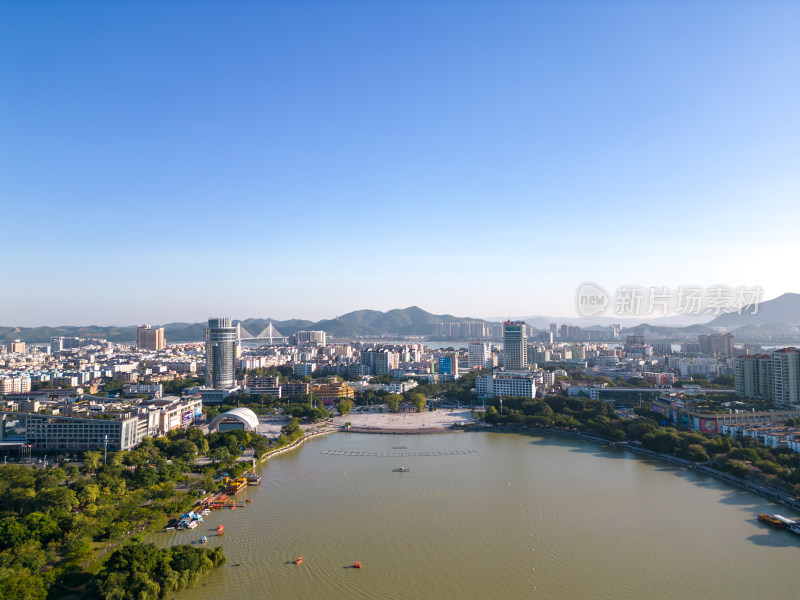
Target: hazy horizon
162, 162
625, 321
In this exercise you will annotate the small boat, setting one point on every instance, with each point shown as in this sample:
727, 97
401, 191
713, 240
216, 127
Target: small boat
249, 500
356, 565
401, 470
298, 560
771, 520
203, 540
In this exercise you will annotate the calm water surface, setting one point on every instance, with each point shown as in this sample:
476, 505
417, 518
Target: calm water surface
524, 517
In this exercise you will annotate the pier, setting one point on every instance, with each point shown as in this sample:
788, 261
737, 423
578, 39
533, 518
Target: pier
398, 454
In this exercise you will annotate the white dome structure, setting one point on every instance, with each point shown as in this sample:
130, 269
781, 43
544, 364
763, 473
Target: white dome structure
246, 416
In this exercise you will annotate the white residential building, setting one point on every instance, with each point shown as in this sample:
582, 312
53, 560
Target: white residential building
398, 387
152, 390
505, 383
302, 369
480, 355
15, 385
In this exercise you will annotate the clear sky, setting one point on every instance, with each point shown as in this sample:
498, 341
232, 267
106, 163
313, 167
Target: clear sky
166, 161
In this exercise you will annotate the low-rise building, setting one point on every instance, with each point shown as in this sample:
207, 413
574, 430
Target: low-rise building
683, 411
506, 383
151, 390
399, 387
659, 378
331, 393
95, 423
289, 390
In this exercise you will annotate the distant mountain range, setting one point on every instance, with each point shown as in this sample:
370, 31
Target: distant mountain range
784, 310
360, 323
544, 321
774, 318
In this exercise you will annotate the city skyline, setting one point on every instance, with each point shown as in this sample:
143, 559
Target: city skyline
475, 159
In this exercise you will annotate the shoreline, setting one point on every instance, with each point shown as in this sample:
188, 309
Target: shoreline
401, 431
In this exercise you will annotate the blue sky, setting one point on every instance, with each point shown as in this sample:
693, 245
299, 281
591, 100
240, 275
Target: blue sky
165, 161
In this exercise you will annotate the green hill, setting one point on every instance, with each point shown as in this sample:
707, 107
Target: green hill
405, 321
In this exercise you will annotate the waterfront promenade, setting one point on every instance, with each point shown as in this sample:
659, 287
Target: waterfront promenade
425, 422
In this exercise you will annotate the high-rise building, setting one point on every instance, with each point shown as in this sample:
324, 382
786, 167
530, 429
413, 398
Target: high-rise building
773, 377
150, 338
379, 361
538, 354
570, 333
716, 343
753, 375
786, 377
221, 343
515, 347
448, 365
480, 355
17, 346
309, 337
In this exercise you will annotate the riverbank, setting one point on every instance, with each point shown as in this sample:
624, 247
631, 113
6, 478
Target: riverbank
295, 444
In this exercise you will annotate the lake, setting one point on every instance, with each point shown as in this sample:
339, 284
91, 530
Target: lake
486, 515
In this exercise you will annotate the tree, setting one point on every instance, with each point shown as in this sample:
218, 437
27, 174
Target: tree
49, 478
419, 401
28, 555
724, 381
184, 450
21, 585
292, 430
393, 402
92, 460
260, 445
219, 455
116, 459
59, 499
42, 526
19, 498
12, 532
344, 406
143, 572
75, 546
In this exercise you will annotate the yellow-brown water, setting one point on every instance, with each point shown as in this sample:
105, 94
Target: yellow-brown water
524, 517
